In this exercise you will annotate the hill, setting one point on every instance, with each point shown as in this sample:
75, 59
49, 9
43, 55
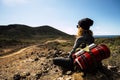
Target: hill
16, 36
19, 31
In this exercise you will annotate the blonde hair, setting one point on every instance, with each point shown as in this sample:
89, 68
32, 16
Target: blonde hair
81, 31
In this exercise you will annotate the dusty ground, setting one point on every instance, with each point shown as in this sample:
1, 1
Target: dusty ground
35, 63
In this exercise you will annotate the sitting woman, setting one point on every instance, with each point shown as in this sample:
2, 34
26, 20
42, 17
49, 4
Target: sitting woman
84, 37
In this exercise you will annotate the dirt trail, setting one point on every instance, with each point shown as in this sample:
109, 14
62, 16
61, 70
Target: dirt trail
56, 40
18, 52
30, 47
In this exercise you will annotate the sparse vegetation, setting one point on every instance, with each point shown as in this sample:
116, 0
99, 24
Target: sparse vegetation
114, 46
35, 52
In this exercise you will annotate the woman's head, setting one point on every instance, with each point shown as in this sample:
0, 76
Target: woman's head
83, 26
85, 23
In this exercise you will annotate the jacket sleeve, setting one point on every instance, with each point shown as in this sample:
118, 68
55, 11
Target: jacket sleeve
76, 45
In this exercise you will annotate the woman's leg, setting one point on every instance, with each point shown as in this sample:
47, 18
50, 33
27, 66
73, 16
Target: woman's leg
63, 62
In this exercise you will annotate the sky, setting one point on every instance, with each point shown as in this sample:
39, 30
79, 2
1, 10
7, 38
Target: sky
63, 14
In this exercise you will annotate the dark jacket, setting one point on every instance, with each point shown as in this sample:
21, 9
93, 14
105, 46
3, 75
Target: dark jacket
82, 41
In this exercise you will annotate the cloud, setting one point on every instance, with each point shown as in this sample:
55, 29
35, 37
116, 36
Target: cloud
14, 2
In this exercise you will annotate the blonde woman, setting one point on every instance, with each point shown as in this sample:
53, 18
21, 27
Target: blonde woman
84, 37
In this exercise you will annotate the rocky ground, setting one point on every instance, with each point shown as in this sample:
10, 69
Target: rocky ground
35, 63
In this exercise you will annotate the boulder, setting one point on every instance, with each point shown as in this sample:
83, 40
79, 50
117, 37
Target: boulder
16, 76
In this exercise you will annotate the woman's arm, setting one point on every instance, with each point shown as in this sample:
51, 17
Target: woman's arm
77, 43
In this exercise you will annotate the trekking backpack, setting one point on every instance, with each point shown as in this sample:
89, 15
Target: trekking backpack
85, 59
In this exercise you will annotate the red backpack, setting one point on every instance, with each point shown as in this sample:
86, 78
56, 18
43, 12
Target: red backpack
85, 59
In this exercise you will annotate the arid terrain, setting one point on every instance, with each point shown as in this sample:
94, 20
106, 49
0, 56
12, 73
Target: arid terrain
32, 60
35, 63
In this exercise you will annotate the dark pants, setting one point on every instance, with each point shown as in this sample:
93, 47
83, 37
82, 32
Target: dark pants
66, 63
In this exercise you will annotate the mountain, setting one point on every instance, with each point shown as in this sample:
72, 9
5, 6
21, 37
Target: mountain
20, 31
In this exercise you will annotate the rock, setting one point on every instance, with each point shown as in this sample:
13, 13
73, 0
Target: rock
119, 71
6, 66
49, 49
60, 78
26, 73
28, 60
38, 75
69, 72
55, 48
32, 53
16, 76
36, 59
42, 63
49, 55
69, 78
56, 70
63, 53
56, 52
60, 52
45, 71
113, 68
41, 54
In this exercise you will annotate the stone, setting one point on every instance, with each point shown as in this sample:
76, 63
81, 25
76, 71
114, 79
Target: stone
56, 70
32, 53
69, 72
118, 71
69, 78
36, 59
28, 73
60, 78
16, 76
56, 52
49, 49
113, 68
38, 75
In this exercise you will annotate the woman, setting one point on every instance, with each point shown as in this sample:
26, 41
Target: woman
84, 37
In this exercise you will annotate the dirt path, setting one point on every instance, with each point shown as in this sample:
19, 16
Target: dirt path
18, 52
56, 40
30, 47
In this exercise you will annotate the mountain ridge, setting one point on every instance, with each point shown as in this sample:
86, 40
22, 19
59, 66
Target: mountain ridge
25, 31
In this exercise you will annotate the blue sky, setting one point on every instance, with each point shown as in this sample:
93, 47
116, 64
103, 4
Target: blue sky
63, 14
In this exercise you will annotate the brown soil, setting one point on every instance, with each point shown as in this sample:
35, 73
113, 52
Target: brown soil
35, 63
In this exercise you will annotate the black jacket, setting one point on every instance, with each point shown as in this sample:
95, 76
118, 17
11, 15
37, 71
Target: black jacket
82, 41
